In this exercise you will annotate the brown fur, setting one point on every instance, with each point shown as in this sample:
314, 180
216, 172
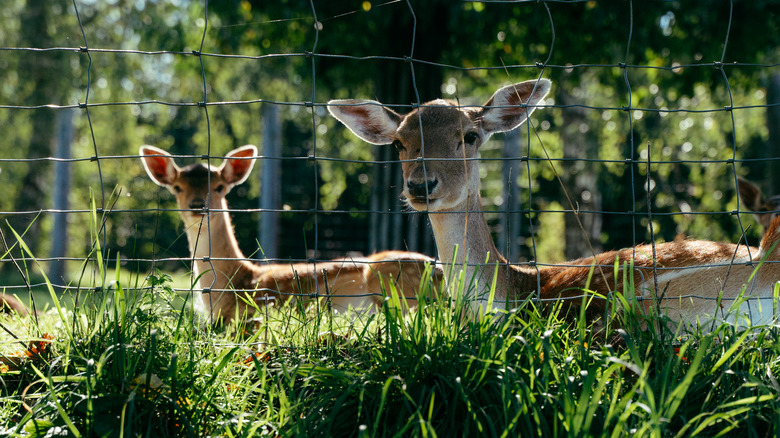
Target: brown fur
229, 280
438, 145
11, 304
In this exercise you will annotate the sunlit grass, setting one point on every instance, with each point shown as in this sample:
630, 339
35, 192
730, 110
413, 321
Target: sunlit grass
128, 358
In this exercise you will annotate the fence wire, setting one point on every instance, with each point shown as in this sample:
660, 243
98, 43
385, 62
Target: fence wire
316, 103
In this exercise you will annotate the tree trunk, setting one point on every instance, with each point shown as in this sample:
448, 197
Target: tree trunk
46, 71
59, 235
773, 143
511, 218
396, 85
270, 182
580, 182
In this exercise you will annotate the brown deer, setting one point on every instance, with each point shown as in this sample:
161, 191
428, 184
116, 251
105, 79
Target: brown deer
764, 209
439, 143
11, 304
224, 275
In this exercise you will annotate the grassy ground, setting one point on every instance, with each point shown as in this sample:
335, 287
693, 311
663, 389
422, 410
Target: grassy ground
135, 362
16, 283
126, 357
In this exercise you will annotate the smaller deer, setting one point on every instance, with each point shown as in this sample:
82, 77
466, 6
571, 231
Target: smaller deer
764, 209
226, 278
438, 144
11, 304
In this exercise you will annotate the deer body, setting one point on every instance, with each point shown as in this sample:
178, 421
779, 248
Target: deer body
224, 275
438, 144
11, 304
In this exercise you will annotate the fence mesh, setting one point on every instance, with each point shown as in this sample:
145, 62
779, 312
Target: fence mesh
620, 170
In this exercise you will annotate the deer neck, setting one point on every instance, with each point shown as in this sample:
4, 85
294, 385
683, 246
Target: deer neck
214, 250
464, 227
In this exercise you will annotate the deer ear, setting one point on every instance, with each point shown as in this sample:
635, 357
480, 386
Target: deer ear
750, 194
238, 164
368, 119
159, 165
510, 106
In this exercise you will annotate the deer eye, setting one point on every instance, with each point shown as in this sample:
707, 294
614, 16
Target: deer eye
398, 145
176, 188
470, 138
220, 188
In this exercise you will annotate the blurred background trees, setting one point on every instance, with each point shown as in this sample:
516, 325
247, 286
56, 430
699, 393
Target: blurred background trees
691, 86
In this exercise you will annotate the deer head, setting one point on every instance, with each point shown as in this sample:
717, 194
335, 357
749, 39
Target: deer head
764, 209
439, 169
198, 188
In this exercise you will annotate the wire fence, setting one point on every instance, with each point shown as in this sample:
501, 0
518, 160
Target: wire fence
639, 172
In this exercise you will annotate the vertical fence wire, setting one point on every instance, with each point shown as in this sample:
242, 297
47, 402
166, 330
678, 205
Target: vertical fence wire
101, 235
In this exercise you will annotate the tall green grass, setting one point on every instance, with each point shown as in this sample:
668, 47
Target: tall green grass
127, 359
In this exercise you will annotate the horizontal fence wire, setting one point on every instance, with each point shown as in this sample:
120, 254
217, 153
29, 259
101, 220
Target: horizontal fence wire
317, 103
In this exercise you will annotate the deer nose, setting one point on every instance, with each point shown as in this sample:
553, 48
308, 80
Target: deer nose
197, 204
421, 190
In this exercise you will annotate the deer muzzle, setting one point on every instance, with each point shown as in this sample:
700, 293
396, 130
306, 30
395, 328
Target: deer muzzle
423, 190
197, 204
